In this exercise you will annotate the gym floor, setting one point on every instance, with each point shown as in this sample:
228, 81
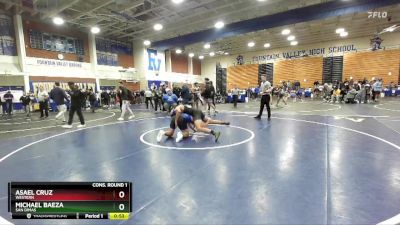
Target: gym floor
313, 163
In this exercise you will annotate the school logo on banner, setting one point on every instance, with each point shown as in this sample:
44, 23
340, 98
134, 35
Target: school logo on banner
154, 61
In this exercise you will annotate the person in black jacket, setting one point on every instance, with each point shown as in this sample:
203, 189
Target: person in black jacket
126, 96
92, 100
58, 95
207, 94
185, 94
8, 97
26, 102
76, 105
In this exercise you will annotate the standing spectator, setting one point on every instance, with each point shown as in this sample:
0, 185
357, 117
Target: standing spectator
377, 89
157, 98
235, 96
170, 100
105, 99
213, 97
125, 98
58, 95
207, 96
197, 96
148, 95
113, 97
142, 96
77, 97
92, 100
265, 89
8, 97
118, 98
43, 98
2, 105
26, 102
185, 94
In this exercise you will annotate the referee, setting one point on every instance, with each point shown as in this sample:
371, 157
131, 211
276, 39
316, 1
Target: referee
265, 91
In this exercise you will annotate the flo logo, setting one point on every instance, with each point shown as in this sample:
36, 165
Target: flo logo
377, 15
154, 61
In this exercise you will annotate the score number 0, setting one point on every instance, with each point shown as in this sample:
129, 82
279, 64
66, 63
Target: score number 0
121, 194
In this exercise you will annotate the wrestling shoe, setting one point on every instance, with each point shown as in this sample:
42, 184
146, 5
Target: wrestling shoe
160, 134
217, 135
81, 126
179, 137
227, 123
131, 117
120, 119
67, 126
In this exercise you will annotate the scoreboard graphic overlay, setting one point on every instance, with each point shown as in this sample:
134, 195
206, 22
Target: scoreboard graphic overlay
70, 200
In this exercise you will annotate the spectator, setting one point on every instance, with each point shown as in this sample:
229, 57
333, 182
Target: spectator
170, 100
126, 97
43, 98
92, 100
235, 96
77, 97
157, 98
26, 102
105, 99
8, 97
148, 95
377, 89
185, 94
58, 95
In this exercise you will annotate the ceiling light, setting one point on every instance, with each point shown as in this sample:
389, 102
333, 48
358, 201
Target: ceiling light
294, 43
58, 20
191, 55
177, 1
146, 42
286, 32
226, 53
178, 51
219, 24
344, 34
251, 44
340, 30
212, 54
201, 57
291, 38
207, 46
267, 45
158, 26
95, 30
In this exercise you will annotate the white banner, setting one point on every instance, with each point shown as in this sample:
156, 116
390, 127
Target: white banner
53, 63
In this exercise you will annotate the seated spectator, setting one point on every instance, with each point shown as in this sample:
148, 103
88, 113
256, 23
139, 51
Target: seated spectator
351, 96
336, 95
170, 100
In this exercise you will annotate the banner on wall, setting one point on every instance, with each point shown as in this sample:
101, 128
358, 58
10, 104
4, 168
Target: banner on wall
48, 86
306, 52
154, 60
52, 63
155, 83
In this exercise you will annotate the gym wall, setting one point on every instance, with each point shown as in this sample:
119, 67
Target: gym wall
243, 77
64, 31
196, 66
373, 64
306, 70
179, 63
